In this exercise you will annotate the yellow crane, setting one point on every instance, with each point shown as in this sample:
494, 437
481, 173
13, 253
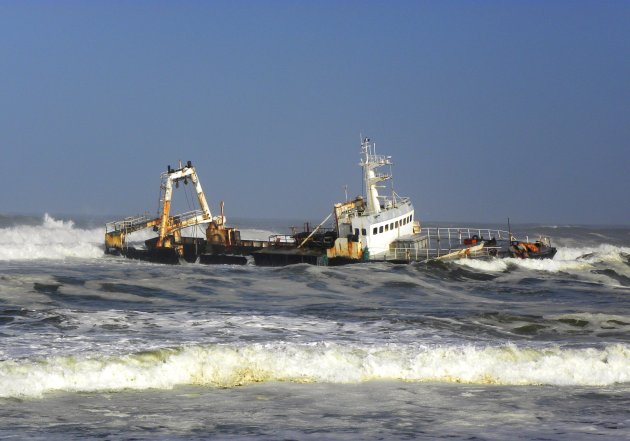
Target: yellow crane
169, 227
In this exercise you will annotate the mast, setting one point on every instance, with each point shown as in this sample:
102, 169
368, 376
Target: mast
166, 223
370, 162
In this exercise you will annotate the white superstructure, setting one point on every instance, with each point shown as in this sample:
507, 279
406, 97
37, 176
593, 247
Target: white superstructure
376, 219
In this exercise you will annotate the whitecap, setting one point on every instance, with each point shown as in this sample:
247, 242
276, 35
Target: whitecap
53, 239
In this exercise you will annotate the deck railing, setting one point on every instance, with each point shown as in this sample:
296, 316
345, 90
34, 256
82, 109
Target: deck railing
138, 222
455, 236
434, 242
127, 224
183, 217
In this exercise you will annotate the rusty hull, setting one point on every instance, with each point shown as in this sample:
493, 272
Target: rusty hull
347, 249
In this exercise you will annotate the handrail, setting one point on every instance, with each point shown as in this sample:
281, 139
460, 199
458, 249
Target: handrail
127, 223
188, 215
380, 159
411, 254
133, 223
467, 232
434, 242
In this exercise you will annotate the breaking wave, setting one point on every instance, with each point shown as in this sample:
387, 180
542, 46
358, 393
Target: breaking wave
229, 366
567, 259
52, 239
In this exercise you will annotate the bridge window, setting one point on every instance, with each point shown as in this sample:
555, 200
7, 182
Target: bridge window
375, 230
356, 231
380, 229
363, 232
396, 224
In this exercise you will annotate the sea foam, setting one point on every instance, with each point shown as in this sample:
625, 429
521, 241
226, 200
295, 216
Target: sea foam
235, 365
53, 239
567, 259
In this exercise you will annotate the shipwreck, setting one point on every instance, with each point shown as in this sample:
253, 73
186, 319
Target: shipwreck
371, 227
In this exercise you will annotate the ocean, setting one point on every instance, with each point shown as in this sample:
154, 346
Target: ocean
96, 346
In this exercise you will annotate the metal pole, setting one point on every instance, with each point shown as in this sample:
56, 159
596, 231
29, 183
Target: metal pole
314, 230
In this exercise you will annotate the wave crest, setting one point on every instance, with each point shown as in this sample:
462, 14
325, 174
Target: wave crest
570, 259
229, 366
52, 239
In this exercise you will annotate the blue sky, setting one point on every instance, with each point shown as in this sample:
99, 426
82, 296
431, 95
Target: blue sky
489, 109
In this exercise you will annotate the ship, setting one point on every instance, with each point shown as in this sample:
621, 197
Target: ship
372, 227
